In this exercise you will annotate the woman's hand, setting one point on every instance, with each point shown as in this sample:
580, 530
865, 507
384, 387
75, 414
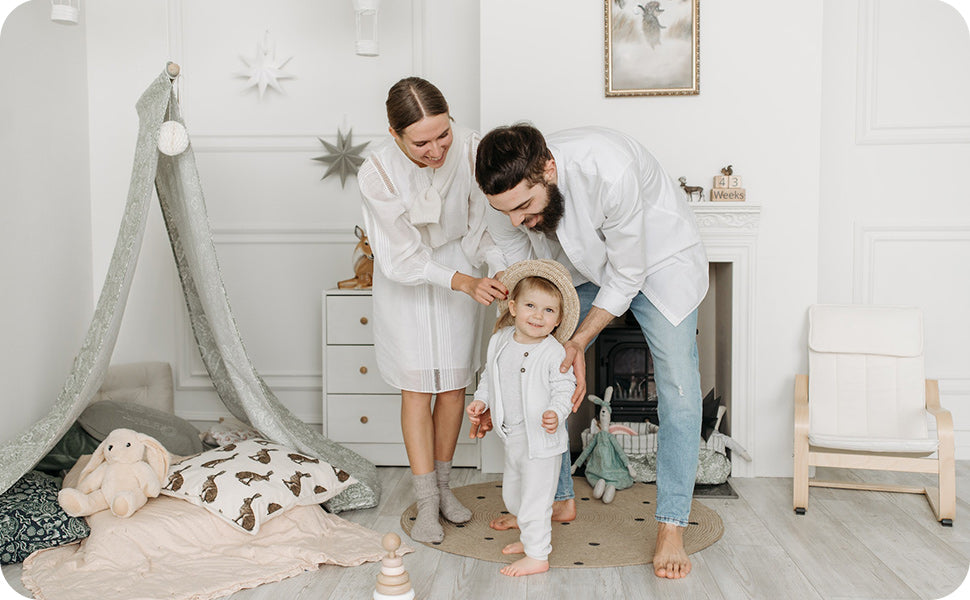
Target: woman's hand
483, 290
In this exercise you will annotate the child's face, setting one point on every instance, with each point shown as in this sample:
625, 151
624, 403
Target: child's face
536, 313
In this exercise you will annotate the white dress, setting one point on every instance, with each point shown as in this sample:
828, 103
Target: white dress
425, 224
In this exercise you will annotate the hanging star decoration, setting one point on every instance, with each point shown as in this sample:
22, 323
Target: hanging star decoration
264, 70
344, 158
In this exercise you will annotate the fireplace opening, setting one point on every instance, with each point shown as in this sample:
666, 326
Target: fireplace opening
621, 357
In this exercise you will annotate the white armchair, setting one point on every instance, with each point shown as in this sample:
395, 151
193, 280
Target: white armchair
865, 401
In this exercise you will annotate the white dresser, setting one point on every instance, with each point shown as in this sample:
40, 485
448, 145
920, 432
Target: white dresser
360, 411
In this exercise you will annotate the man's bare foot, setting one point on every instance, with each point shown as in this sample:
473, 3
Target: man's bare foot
669, 558
525, 566
514, 548
562, 510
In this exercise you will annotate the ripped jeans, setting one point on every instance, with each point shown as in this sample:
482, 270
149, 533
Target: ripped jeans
679, 406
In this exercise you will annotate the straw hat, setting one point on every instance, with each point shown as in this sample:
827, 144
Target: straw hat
559, 276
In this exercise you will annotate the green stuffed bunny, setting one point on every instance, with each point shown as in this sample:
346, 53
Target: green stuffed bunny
608, 468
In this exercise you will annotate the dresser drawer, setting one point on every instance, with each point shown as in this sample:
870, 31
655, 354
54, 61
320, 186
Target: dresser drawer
364, 418
353, 370
375, 418
350, 320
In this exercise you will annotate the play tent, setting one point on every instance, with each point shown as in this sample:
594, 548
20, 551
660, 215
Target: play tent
236, 381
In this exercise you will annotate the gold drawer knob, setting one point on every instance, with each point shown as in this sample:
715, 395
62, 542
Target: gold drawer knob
363, 370
363, 320
363, 419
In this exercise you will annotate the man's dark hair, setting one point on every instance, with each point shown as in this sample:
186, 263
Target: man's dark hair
508, 155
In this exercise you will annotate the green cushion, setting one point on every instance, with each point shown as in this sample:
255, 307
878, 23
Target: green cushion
177, 435
73, 445
31, 519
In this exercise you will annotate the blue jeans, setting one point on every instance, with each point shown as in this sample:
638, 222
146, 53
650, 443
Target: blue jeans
679, 405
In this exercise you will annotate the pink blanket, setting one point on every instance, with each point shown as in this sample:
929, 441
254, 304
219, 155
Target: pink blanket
174, 550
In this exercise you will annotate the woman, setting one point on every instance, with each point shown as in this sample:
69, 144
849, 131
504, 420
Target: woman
425, 219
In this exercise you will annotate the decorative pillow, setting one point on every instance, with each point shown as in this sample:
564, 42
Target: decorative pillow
31, 519
251, 482
74, 444
228, 430
177, 435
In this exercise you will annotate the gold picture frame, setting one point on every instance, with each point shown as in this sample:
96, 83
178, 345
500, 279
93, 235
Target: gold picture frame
653, 48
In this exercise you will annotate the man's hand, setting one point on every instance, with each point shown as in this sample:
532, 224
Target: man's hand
550, 421
481, 423
575, 358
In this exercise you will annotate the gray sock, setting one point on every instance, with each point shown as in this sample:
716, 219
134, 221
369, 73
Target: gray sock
426, 527
451, 508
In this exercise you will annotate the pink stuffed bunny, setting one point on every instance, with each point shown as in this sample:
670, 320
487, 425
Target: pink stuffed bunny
123, 473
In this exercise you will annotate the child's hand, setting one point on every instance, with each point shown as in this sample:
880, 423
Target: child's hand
475, 410
550, 421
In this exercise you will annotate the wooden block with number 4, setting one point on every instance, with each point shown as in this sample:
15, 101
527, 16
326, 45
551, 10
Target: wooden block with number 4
727, 181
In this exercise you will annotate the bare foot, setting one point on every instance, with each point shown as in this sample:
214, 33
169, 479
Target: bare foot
514, 548
562, 510
525, 566
669, 558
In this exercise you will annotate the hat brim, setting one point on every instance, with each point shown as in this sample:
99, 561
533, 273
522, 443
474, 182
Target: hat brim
559, 276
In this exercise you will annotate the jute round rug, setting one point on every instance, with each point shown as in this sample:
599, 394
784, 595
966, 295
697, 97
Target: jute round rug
618, 534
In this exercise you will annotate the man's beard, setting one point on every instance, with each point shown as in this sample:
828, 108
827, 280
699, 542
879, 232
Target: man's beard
552, 213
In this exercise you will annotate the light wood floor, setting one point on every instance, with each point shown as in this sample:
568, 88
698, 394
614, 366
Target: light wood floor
850, 544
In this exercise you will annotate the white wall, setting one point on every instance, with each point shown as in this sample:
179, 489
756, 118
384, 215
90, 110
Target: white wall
45, 235
894, 216
282, 235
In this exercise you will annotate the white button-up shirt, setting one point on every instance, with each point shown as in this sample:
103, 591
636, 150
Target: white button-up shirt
627, 226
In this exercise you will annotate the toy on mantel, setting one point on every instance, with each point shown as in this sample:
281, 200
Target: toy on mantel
690, 190
393, 582
727, 187
363, 264
608, 469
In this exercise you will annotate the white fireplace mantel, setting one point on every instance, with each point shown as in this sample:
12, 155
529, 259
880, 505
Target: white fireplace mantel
729, 231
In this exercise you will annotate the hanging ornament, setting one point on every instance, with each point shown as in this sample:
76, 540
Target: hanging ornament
263, 70
172, 138
344, 158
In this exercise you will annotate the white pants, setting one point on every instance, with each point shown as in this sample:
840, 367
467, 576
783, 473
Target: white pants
528, 489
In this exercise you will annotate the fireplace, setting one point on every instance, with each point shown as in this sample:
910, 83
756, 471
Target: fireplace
623, 361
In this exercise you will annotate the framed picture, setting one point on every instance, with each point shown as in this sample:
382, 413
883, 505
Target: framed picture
652, 48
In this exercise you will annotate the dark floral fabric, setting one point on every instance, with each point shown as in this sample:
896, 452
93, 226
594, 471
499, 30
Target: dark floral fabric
31, 519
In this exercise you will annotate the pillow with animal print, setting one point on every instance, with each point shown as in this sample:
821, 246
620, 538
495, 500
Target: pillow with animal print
249, 482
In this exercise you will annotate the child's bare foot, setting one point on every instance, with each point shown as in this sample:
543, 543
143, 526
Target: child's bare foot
669, 558
562, 510
525, 566
514, 548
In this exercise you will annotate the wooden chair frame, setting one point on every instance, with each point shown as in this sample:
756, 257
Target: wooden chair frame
942, 499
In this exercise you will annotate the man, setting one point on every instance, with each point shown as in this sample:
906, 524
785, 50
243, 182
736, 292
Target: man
597, 201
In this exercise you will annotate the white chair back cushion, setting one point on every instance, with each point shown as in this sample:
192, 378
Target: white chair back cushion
866, 376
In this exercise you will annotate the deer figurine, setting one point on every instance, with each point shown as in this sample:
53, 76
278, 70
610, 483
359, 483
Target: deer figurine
363, 264
691, 189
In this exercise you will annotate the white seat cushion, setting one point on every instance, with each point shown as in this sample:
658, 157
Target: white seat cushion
868, 444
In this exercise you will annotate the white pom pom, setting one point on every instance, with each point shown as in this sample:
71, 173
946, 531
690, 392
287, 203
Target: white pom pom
172, 138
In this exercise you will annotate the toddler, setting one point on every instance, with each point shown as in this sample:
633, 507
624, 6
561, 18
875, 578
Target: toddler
529, 399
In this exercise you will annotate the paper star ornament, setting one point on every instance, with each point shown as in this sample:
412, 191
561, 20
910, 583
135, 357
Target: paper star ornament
344, 158
264, 70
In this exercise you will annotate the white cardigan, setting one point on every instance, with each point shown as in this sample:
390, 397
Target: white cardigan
543, 388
